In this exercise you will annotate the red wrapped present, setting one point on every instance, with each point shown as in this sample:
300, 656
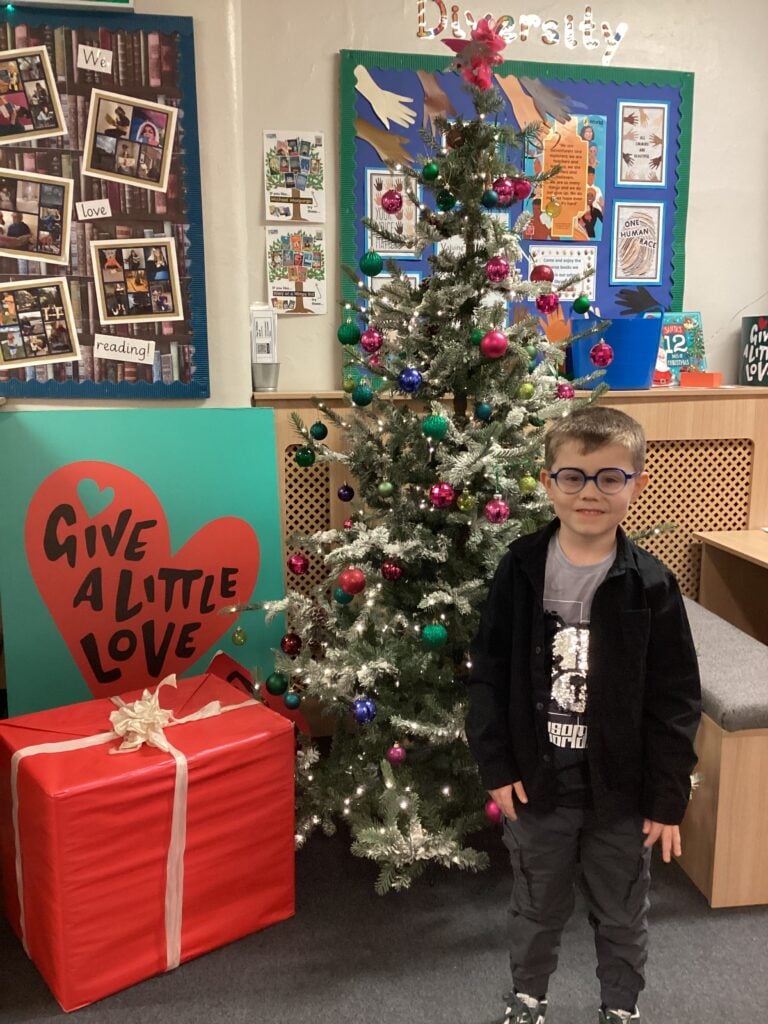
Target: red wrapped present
135, 839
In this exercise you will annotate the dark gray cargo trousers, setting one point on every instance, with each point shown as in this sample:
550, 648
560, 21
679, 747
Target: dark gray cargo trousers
547, 851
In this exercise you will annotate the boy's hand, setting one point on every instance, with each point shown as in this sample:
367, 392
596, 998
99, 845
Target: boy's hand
502, 797
669, 835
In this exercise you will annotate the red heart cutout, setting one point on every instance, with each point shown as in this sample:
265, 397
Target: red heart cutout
129, 609
762, 323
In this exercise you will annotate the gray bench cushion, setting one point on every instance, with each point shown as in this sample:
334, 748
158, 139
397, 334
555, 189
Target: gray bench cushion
734, 671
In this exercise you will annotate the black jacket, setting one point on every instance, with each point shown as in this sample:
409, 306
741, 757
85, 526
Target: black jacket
644, 699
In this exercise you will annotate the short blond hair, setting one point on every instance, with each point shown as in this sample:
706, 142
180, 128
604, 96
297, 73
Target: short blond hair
593, 427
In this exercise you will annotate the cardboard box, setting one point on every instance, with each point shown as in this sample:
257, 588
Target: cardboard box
92, 829
700, 379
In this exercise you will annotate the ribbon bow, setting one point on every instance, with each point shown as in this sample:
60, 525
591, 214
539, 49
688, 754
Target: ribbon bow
143, 721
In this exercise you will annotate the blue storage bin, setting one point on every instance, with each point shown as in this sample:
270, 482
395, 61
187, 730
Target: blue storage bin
635, 343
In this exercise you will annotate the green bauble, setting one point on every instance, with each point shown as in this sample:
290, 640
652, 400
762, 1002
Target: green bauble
349, 383
445, 200
532, 351
348, 334
292, 700
239, 636
435, 427
430, 171
305, 457
535, 421
362, 394
581, 304
476, 336
466, 503
277, 683
371, 263
386, 488
527, 484
341, 596
434, 636
526, 391
319, 431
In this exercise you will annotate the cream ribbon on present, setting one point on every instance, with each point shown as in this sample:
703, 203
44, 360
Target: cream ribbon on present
137, 723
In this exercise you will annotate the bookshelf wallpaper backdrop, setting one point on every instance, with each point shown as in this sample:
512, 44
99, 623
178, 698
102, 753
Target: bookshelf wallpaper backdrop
153, 60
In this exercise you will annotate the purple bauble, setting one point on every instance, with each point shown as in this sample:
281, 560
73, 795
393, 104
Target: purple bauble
521, 188
493, 812
396, 754
494, 344
441, 495
371, 340
392, 201
391, 571
497, 510
409, 380
547, 303
497, 269
345, 493
505, 189
364, 710
601, 355
565, 391
298, 564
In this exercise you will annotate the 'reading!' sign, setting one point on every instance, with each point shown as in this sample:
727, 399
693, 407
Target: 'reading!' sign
130, 609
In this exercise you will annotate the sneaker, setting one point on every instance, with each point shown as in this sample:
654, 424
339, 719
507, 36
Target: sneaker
523, 1009
617, 1016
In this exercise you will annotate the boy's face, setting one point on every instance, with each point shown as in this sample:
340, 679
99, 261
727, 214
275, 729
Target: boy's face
590, 515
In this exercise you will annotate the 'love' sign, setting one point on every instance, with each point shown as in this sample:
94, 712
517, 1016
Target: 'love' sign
130, 609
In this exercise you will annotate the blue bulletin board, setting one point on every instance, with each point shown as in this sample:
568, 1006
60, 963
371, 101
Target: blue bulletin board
625, 134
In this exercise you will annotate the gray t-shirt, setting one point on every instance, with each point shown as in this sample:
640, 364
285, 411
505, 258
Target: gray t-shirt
568, 593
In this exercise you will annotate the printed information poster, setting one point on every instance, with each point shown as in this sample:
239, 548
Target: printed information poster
636, 244
642, 153
294, 175
401, 222
296, 270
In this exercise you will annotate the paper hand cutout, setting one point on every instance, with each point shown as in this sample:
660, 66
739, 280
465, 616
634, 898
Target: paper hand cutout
555, 326
390, 147
548, 101
436, 103
387, 106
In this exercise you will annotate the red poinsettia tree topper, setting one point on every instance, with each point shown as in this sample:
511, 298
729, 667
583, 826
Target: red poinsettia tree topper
476, 55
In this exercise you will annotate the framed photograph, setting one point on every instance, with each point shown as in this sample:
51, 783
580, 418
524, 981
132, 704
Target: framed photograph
35, 216
641, 158
36, 323
129, 140
30, 107
401, 222
637, 243
137, 279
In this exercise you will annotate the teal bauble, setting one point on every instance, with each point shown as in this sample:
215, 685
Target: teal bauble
430, 171
434, 636
348, 334
371, 263
292, 700
319, 431
341, 596
490, 199
277, 683
435, 427
445, 200
536, 422
305, 457
483, 411
362, 394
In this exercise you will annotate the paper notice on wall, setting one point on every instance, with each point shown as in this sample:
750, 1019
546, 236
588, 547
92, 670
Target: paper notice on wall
294, 175
127, 350
567, 262
296, 270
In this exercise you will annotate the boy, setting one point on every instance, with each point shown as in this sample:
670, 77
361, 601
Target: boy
584, 703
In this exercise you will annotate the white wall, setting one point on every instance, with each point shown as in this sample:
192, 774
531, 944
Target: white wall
263, 64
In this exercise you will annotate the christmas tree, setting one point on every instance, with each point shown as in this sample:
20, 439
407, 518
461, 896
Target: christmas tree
443, 447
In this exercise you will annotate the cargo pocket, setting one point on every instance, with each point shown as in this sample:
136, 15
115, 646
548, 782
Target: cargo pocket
521, 898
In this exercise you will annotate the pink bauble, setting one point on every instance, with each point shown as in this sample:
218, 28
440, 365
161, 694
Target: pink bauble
392, 201
396, 754
564, 391
352, 581
541, 272
521, 188
601, 355
497, 510
298, 564
547, 303
493, 812
374, 360
391, 571
348, 524
441, 495
497, 269
494, 344
505, 189
371, 339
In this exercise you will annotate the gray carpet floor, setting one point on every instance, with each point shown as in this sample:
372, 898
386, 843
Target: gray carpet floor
434, 955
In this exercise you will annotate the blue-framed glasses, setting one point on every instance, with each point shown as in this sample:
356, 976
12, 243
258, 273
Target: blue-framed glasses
609, 481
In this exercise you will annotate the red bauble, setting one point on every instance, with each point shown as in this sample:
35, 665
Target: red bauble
352, 581
291, 644
298, 564
521, 188
371, 340
541, 272
392, 201
494, 344
396, 754
391, 571
601, 355
493, 812
564, 391
505, 189
374, 360
441, 495
497, 269
348, 524
547, 303
497, 510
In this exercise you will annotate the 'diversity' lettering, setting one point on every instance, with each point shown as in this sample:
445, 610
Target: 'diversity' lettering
527, 27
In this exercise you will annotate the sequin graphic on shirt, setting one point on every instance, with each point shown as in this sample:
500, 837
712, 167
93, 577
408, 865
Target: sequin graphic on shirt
566, 719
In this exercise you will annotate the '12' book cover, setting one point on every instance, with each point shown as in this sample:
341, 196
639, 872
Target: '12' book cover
681, 347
